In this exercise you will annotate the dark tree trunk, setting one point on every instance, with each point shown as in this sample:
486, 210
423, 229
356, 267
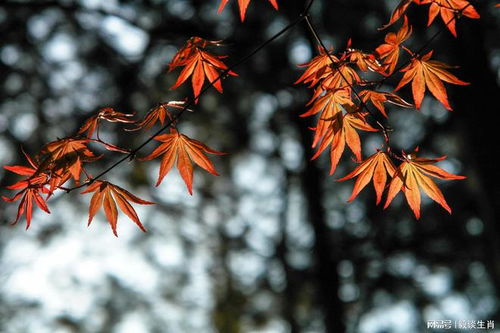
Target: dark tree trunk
473, 117
326, 252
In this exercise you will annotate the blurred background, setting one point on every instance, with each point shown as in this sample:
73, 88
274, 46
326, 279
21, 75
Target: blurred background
271, 245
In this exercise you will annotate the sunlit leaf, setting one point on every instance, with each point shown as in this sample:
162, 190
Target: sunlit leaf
425, 73
108, 195
178, 148
413, 175
243, 5
198, 63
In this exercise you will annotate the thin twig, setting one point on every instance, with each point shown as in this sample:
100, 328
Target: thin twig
307, 8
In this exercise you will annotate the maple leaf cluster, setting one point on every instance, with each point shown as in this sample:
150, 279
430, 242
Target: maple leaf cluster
64, 159
411, 176
449, 10
341, 100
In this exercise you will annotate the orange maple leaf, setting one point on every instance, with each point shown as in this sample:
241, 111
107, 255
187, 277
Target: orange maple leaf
35, 177
189, 49
66, 156
198, 63
377, 167
31, 188
30, 195
327, 75
330, 104
316, 68
413, 174
449, 11
378, 98
365, 61
180, 148
423, 73
321, 69
243, 4
109, 195
399, 11
342, 130
343, 76
389, 51
108, 114
159, 113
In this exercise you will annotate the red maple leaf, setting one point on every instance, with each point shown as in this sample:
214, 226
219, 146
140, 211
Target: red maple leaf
65, 156
30, 194
328, 105
31, 188
317, 68
412, 175
377, 167
329, 71
389, 51
108, 195
159, 113
243, 4
378, 98
108, 114
449, 11
365, 61
399, 11
423, 72
198, 63
37, 176
342, 130
178, 147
